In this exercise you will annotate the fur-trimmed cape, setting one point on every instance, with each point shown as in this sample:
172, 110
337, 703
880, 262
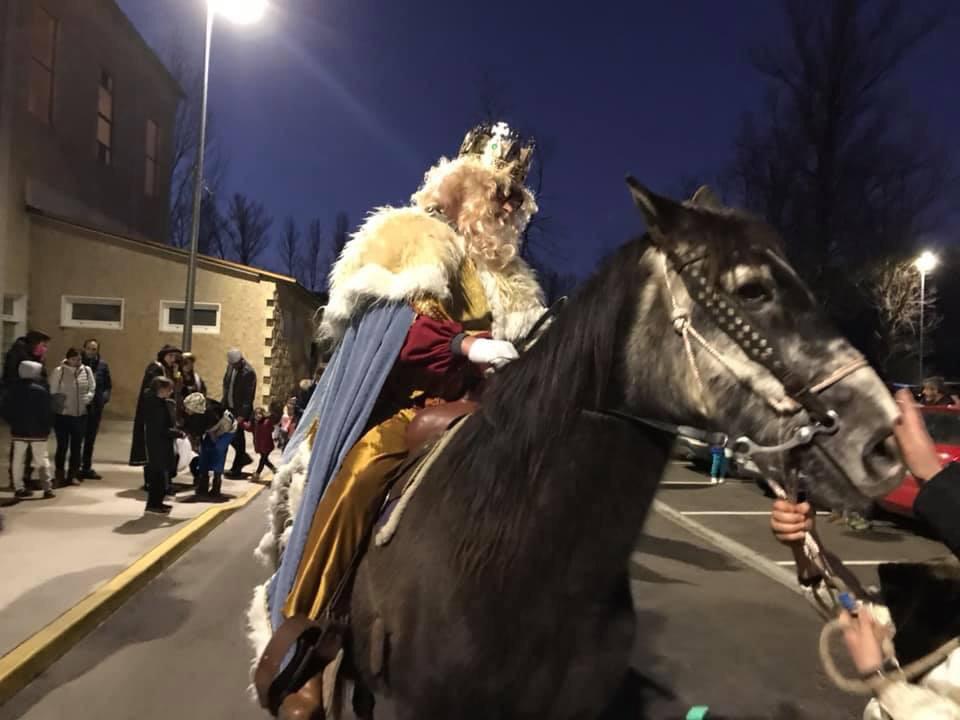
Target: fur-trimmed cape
400, 254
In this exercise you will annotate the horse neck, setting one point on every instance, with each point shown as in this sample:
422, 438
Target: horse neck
576, 522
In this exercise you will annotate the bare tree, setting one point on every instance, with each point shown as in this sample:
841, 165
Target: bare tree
894, 288
832, 160
184, 140
341, 235
313, 259
248, 227
290, 249
213, 229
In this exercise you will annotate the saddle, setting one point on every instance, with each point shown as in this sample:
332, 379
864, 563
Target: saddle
431, 422
303, 689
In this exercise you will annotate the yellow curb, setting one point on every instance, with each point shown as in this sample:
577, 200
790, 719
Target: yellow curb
38, 652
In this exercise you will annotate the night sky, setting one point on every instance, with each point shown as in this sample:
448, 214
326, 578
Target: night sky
334, 105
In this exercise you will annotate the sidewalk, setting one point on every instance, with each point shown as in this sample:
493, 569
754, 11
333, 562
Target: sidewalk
54, 553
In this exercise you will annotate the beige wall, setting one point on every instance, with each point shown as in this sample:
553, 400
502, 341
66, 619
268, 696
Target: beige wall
67, 260
55, 165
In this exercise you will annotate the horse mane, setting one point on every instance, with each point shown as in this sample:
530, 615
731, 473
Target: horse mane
535, 401
530, 408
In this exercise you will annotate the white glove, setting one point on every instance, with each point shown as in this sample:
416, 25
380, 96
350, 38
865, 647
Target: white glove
491, 352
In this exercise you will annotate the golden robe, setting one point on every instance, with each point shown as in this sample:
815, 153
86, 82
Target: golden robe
350, 503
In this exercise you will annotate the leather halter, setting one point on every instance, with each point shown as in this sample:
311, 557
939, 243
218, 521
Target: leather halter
728, 314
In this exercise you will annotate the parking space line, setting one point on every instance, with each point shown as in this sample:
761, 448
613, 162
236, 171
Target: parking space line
737, 550
848, 562
688, 483
735, 512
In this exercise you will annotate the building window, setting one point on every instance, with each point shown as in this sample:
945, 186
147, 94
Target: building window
105, 118
43, 51
151, 174
91, 312
206, 317
13, 315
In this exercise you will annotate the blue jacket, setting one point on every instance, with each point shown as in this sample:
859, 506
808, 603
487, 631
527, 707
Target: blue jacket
101, 373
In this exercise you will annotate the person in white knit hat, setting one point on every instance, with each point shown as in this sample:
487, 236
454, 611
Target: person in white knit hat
213, 428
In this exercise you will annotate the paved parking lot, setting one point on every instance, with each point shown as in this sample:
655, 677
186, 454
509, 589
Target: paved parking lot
739, 511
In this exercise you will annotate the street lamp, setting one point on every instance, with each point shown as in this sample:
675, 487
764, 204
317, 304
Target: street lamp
243, 12
927, 262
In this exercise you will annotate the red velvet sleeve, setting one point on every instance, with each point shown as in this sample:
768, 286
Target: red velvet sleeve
428, 346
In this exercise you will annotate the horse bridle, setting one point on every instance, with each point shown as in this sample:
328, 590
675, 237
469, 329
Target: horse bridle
727, 313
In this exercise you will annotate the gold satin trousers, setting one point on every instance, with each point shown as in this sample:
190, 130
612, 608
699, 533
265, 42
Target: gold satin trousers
347, 509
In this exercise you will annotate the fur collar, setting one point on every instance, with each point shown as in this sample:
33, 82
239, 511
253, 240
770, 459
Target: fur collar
399, 254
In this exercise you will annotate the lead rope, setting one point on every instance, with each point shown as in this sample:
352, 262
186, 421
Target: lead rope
824, 596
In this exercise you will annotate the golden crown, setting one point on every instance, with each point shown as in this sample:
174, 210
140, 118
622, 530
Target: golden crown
499, 146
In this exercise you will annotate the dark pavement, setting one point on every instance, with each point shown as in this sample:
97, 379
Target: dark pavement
712, 631
740, 511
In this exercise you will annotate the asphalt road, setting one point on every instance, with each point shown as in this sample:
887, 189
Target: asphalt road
712, 631
741, 512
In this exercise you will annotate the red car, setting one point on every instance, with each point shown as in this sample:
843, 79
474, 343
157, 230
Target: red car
943, 422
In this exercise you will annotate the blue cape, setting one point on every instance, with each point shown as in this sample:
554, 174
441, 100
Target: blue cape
341, 404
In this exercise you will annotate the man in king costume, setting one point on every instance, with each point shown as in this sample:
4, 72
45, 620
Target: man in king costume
423, 299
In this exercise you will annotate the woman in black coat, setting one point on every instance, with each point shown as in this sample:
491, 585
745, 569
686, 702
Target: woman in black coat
166, 364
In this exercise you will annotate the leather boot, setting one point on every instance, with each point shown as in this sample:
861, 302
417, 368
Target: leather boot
217, 480
203, 485
306, 703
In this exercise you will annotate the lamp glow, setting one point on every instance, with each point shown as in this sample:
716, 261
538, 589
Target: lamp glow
927, 262
242, 12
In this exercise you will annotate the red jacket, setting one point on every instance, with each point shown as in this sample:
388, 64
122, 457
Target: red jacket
262, 434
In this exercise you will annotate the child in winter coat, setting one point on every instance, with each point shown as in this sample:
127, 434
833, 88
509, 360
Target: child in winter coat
288, 423
207, 421
262, 427
29, 410
159, 432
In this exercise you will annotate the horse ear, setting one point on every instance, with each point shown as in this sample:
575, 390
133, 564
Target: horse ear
705, 198
659, 212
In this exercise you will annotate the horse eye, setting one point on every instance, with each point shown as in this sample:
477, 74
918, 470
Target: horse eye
754, 292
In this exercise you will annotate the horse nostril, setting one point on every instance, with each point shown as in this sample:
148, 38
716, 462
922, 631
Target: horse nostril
882, 457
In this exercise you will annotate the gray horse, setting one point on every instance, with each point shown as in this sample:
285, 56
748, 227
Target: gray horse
504, 593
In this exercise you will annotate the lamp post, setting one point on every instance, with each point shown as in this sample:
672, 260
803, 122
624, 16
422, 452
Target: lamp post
924, 264
243, 12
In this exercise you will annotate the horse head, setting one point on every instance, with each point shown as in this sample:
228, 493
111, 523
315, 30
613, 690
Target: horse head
726, 335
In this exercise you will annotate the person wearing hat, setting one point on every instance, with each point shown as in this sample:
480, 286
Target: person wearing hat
32, 347
166, 365
212, 427
30, 414
191, 381
424, 299
239, 395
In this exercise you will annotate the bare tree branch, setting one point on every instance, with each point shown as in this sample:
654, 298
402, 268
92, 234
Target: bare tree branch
248, 228
184, 139
833, 161
313, 259
290, 254
894, 288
